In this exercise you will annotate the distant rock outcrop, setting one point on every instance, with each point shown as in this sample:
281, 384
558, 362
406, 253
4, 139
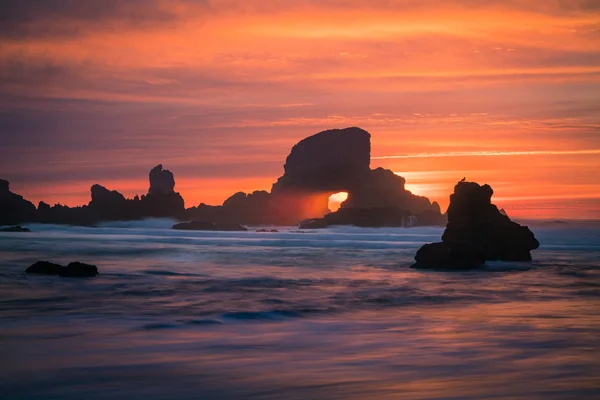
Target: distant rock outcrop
318, 166
376, 217
161, 181
476, 232
110, 205
14, 209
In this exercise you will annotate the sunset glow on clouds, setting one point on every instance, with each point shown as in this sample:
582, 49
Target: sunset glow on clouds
502, 92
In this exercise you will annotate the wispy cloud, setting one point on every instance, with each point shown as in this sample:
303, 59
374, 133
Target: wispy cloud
489, 154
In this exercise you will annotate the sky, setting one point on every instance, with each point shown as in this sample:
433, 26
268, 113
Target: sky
503, 92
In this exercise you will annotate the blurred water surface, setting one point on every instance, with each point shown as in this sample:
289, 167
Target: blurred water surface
332, 314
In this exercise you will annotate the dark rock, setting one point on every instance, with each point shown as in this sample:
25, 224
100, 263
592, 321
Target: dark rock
110, 205
15, 229
14, 209
208, 226
476, 226
102, 196
161, 181
326, 162
447, 256
383, 188
338, 161
267, 230
376, 217
250, 209
78, 270
44, 267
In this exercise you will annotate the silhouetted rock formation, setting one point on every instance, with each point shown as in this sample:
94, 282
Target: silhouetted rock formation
476, 232
323, 164
376, 217
73, 270
161, 181
110, 205
318, 166
14, 209
326, 162
16, 228
45, 268
209, 226
443, 255
78, 270
383, 188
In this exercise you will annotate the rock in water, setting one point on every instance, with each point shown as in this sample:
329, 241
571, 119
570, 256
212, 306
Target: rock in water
476, 232
448, 256
78, 270
44, 267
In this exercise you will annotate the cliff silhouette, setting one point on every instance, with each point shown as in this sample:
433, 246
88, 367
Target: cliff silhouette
318, 166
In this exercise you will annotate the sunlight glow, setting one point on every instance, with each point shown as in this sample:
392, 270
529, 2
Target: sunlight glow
335, 200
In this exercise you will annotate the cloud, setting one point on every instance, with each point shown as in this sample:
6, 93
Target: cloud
22, 19
491, 154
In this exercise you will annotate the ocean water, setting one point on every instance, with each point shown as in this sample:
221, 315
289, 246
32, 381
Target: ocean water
332, 314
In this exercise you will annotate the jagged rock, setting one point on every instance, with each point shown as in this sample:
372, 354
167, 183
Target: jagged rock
208, 226
16, 228
78, 270
14, 209
108, 205
161, 181
476, 230
45, 268
383, 188
249, 209
376, 217
101, 195
448, 256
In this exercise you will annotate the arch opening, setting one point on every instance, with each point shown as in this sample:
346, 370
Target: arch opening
336, 200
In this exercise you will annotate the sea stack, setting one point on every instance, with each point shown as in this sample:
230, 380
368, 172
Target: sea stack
476, 232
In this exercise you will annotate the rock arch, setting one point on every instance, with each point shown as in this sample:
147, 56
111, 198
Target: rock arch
338, 160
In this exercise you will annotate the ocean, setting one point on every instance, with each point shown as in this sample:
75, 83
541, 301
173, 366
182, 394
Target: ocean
329, 314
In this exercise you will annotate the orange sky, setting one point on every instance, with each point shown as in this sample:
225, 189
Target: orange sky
501, 92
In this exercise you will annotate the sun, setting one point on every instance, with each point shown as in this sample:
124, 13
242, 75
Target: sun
336, 199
